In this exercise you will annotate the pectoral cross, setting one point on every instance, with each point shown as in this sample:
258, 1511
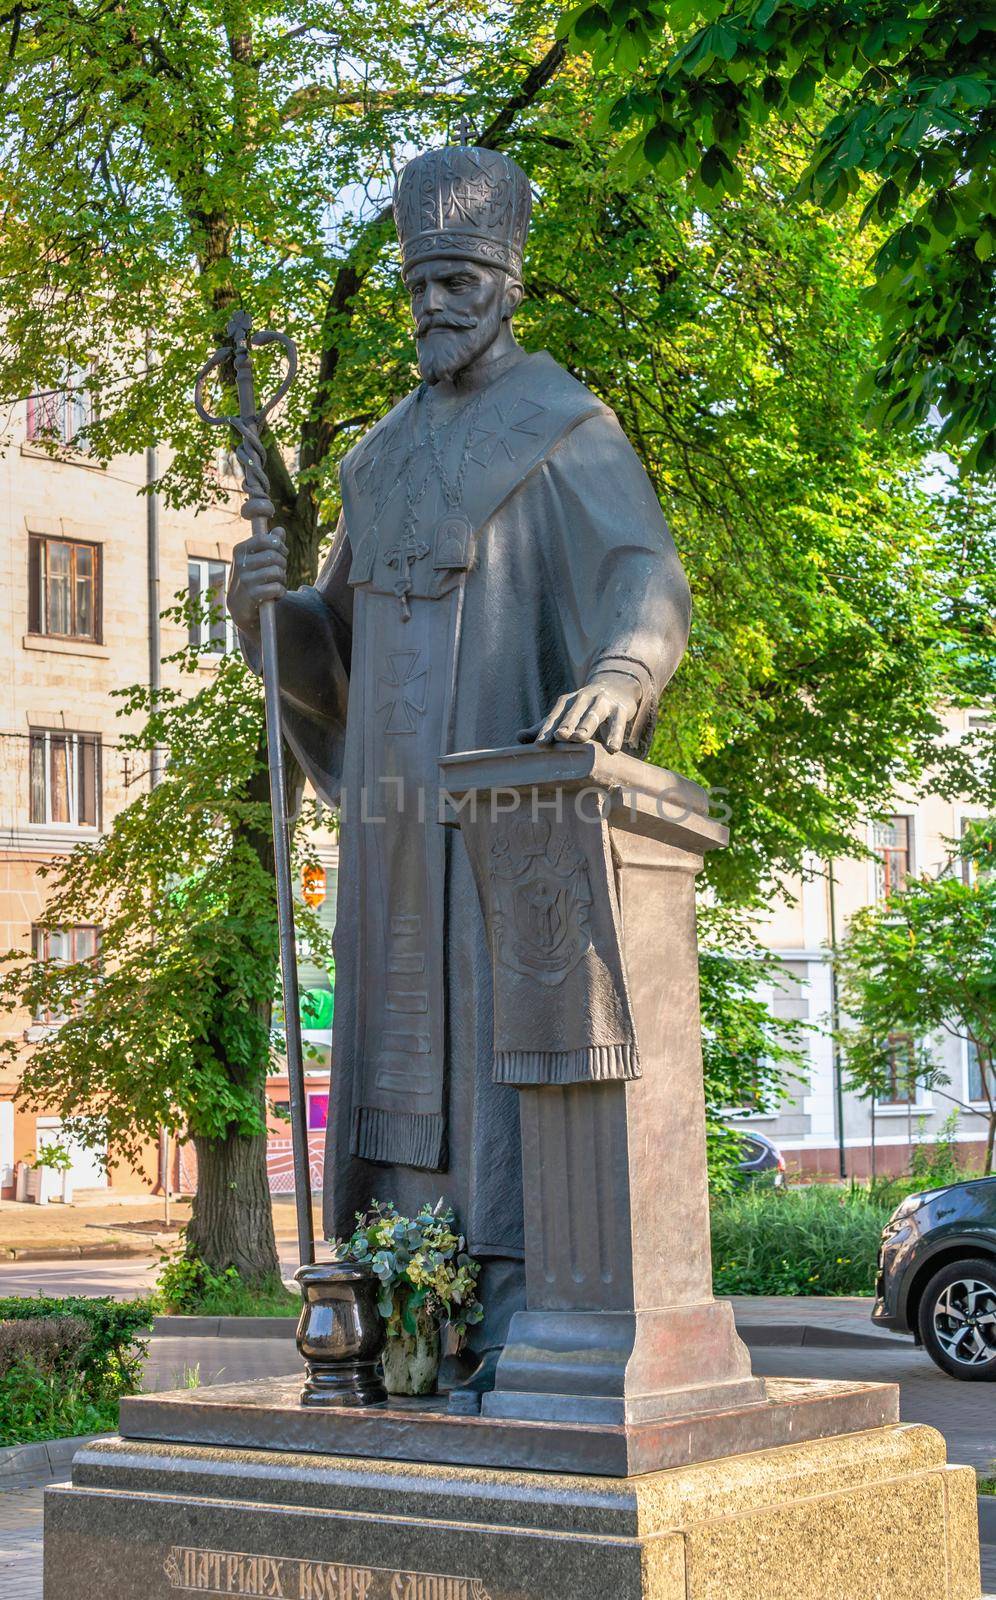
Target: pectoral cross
407, 551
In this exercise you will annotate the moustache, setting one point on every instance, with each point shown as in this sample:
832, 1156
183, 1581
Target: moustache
453, 320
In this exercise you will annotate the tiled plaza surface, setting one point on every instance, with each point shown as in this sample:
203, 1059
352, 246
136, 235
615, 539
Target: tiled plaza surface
21, 1540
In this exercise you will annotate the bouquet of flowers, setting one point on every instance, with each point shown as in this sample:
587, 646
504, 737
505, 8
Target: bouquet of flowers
422, 1264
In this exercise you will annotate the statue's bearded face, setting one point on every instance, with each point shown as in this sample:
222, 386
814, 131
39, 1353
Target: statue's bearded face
458, 308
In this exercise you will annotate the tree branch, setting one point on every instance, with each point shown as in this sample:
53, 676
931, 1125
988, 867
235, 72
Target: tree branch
533, 84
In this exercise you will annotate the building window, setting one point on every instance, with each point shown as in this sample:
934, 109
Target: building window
976, 1088
210, 627
63, 588
64, 947
62, 416
65, 778
899, 1088
893, 845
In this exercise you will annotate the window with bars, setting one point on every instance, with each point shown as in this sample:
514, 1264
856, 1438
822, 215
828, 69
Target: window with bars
893, 845
65, 778
61, 415
210, 628
899, 1088
64, 582
64, 947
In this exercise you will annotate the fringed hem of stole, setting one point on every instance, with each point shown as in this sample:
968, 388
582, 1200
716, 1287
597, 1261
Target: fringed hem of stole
598, 1063
401, 1138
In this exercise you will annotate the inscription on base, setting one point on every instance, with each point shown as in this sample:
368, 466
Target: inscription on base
234, 1572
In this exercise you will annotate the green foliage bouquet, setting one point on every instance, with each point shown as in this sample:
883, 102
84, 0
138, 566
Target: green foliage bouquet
425, 1276
422, 1264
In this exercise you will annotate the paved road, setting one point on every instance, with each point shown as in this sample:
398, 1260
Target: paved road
124, 1279
135, 1276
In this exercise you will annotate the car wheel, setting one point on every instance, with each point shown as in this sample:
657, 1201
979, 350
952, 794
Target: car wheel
958, 1320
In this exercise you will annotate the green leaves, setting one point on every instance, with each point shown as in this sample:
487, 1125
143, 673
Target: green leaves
923, 964
176, 1032
422, 1264
943, 217
694, 259
904, 99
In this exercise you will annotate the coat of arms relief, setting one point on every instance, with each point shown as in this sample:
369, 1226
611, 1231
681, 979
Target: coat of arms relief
541, 901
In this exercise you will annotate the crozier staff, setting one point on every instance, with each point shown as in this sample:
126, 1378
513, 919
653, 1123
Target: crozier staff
257, 510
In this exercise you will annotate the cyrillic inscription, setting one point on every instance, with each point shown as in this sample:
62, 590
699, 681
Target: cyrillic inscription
234, 1572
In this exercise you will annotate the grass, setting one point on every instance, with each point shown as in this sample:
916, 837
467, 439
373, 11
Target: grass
187, 1287
819, 1241
239, 1301
37, 1405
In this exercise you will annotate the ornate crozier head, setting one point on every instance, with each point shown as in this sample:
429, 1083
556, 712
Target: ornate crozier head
462, 215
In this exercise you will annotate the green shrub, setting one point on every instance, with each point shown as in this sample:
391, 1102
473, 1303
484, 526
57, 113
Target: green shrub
111, 1354
52, 1344
933, 1165
798, 1241
48, 1405
64, 1364
187, 1286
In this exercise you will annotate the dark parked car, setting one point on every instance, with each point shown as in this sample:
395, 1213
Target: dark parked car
760, 1160
937, 1276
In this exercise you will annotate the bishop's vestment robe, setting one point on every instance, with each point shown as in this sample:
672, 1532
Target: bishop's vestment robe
489, 559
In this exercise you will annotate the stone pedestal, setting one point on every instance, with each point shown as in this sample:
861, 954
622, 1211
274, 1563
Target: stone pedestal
627, 1451
620, 1325
867, 1516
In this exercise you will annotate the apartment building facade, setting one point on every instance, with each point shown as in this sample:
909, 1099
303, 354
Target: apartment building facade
83, 576
823, 1129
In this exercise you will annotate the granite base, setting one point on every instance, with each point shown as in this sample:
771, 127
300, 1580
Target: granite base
874, 1515
269, 1416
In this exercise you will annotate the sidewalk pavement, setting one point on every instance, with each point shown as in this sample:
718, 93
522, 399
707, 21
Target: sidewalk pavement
821, 1323
96, 1229
21, 1540
824, 1320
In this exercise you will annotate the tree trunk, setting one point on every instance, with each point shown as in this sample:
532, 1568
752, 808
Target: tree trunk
990, 1143
232, 1223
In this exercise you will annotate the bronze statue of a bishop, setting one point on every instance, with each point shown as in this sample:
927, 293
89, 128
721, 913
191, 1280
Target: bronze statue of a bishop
501, 571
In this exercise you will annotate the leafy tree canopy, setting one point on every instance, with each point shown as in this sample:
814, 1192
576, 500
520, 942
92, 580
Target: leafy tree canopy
920, 966
164, 168
897, 105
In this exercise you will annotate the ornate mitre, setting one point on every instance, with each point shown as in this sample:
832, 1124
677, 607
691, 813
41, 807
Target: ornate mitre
465, 202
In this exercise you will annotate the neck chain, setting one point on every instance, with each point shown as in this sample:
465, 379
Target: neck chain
452, 491
410, 548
